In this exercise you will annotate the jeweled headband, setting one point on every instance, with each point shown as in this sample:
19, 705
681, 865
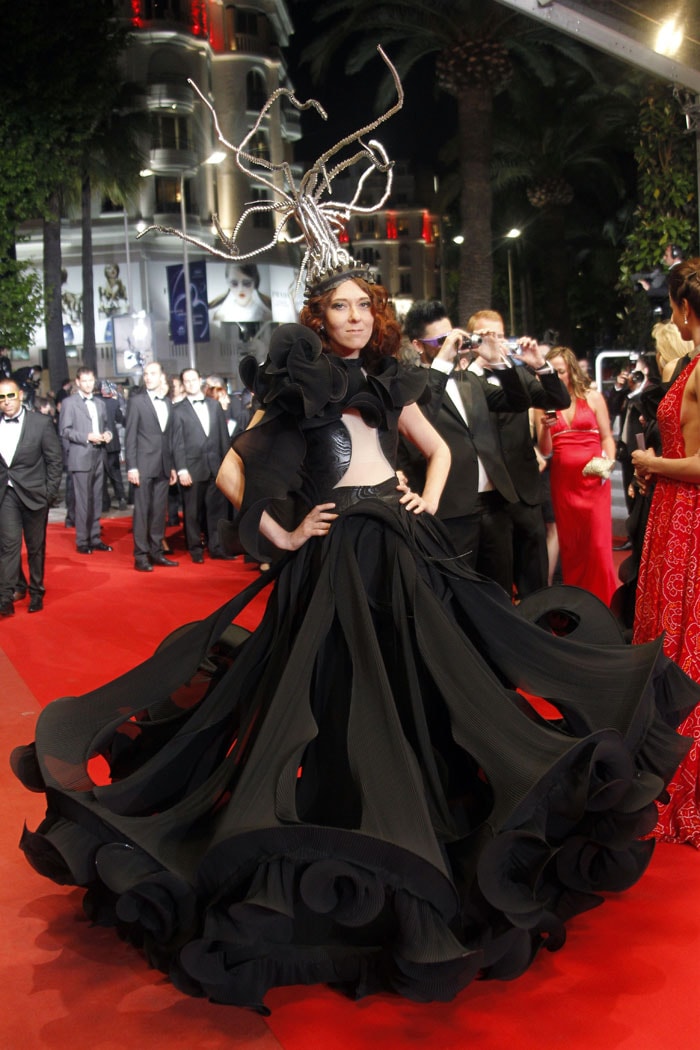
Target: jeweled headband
325, 262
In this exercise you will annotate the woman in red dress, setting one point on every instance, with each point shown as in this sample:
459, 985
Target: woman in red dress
668, 592
582, 503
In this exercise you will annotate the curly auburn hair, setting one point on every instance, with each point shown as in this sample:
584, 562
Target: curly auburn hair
386, 331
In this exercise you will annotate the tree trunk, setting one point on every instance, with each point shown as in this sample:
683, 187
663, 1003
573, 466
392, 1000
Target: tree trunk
55, 345
89, 345
475, 106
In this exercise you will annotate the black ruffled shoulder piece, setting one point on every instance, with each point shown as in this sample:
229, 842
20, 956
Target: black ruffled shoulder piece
296, 377
397, 384
379, 396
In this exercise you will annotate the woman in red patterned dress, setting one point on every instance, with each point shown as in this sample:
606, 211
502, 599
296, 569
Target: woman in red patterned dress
668, 593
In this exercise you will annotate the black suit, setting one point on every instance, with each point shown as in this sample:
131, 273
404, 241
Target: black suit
114, 408
530, 563
477, 522
147, 448
200, 454
85, 462
28, 487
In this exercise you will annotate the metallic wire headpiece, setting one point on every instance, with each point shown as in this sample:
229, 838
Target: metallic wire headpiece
325, 263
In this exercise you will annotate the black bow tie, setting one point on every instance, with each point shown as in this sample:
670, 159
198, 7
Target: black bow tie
87, 399
197, 400
157, 397
15, 419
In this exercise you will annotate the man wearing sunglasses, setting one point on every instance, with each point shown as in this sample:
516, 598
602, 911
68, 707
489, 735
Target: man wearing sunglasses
462, 408
31, 466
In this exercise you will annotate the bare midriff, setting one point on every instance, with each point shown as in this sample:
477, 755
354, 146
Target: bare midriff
368, 464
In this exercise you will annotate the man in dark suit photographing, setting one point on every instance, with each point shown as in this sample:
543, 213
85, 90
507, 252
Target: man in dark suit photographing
31, 466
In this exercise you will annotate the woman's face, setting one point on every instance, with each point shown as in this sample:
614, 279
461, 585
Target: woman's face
560, 367
242, 286
349, 320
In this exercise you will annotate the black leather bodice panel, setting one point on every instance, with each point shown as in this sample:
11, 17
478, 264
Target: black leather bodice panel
328, 454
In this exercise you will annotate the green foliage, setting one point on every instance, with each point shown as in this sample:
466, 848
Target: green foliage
59, 80
667, 206
20, 304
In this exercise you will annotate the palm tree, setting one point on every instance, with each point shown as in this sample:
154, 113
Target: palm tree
111, 163
476, 45
564, 150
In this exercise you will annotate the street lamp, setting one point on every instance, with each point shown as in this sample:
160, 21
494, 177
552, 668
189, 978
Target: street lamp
512, 235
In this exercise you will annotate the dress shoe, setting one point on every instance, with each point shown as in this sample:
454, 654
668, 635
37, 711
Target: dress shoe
122, 504
84, 550
220, 556
101, 546
160, 559
7, 609
197, 557
142, 565
626, 546
36, 604
69, 523
19, 596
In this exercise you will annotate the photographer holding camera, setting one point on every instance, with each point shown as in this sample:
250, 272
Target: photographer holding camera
544, 390
462, 408
655, 284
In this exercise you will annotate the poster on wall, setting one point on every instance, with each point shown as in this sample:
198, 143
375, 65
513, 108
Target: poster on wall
111, 299
198, 299
250, 296
133, 344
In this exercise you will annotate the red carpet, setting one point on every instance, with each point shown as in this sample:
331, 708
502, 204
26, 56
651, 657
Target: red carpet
626, 980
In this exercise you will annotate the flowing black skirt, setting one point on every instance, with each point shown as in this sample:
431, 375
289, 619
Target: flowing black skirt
359, 792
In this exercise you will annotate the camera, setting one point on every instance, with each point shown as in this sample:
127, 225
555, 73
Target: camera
514, 346
470, 342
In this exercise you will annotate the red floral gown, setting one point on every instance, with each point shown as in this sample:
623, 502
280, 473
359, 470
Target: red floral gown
582, 505
668, 600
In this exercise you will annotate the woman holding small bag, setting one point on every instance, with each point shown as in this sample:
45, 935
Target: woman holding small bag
580, 442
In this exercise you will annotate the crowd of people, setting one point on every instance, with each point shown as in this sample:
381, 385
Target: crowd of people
107, 444
394, 504
367, 790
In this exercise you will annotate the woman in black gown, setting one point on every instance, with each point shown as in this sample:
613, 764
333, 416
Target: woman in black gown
355, 793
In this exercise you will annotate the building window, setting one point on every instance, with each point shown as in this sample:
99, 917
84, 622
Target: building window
170, 132
168, 195
239, 23
259, 147
403, 227
404, 255
256, 90
165, 9
110, 207
262, 220
405, 284
366, 228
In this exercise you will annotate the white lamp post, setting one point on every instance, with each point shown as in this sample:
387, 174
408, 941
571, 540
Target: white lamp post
512, 235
